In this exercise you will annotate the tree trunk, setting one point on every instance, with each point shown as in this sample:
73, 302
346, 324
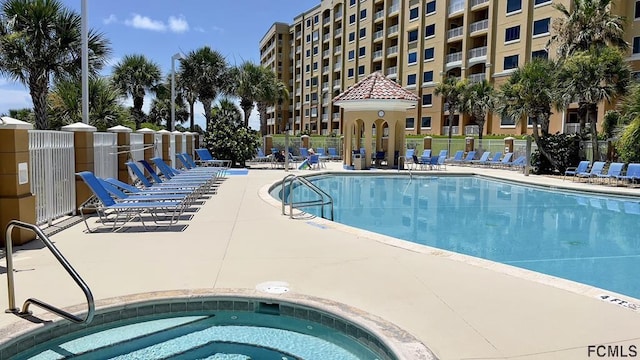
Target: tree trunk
262, 111
192, 117
450, 122
206, 103
582, 116
38, 89
594, 137
480, 124
542, 144
138, 101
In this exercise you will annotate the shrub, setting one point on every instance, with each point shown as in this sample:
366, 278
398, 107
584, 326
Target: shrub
232, 140
629, 144
564, 148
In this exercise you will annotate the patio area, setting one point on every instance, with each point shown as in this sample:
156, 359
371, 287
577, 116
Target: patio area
460, 307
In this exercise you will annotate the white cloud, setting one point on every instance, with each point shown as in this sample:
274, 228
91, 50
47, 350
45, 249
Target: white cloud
111, 19
217, 29
198, 29
14, 99
145, 23
178, 24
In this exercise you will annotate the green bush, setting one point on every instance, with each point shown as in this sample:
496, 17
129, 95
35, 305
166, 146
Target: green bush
629, 144
232, 140
564, 148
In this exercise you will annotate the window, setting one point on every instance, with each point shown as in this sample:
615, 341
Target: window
410, 123
307, 68
308, 38
316, 35
363, 33
512, 34
314, 112
637, 10
363, 14
636, 45
541, 2
431, 7
510, 62
514, 5
352, 36
306, 98
315, 65
411, 79
350, 73
306, 112
427, 76
362, 51
413, 13
413, 57
428, 54
507, 121
361, 70
314, 81
308, 52
540, 54
430, 30
427, 99
315, 50
352, 55
413, 35
308, 22
425, 122
541, 26
306, 83
352, 19
352, 2
316, 19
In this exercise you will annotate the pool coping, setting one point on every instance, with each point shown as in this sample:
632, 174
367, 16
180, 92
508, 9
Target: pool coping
608, 296
365, 328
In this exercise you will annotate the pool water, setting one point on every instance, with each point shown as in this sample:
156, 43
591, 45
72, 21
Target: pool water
590, 239
225, 335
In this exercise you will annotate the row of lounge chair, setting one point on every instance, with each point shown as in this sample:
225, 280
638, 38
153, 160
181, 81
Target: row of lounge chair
615, 172
437, 162
163, 197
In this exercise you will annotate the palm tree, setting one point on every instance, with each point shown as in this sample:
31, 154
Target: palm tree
589, 25
207, 72
135, 75
529, 94
187, 88
41, 40
478, 100
589, 77
105, 111
271, 91
160, 110
451, 89
248, 78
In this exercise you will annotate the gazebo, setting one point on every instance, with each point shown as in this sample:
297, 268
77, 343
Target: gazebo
375, 103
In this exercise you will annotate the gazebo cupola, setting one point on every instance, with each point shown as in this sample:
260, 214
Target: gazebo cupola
377, 103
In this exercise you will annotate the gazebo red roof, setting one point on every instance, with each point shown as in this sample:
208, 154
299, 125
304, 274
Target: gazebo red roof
376, 87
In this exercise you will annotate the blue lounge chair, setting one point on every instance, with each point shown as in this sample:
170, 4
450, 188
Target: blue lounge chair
443, 153
495, 159
596, 169
136, 173
112, 211
614, 170
419, 163
333, 154
260, 157
505, 159
457, 158
483, 159
207, 159
128, 188
469, 158
408, 157
120, 195
426, 155
573, 171
632, 174
518, 163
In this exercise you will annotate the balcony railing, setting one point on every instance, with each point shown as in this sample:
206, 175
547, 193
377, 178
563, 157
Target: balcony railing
478, 52
339, 14
298, 63
377, 54
572, 128
479, 25
325, 85
454, 57
455, 32
378, 34
326, 37
298, 49
456, 7
337, 49
393, 8
477, 77
336, 83
378, 15
338, 32
325, 53
336, 115
392, 71
472, 130
392, 50
297, 119
392, 30
325, 117
337, 66
325, 21
478, 2
455, 130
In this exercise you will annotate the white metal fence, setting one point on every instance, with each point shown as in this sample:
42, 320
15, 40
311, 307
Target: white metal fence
52, 176
105, 155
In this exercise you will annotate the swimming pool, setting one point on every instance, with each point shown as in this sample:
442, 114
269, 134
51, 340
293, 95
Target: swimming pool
218, 327
588, 238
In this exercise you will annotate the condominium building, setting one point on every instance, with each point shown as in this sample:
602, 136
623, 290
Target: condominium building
417, 43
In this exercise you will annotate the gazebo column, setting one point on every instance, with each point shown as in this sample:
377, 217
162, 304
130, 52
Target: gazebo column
368, 139
391, 146
347, 146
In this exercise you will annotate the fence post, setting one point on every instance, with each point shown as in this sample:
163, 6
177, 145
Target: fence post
304, 141
508, 144
427, 143
268, 144
124, 145
177, 135
189, 149
83, 145
16, 200
166, 143
469, 144
149, 141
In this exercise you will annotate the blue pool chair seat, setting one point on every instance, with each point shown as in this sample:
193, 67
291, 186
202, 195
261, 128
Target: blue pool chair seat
483, 159
573, 171
458, 157
614, 170
632, 175
595, 170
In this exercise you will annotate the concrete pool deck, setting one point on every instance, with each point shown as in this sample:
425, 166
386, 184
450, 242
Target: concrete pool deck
460, 307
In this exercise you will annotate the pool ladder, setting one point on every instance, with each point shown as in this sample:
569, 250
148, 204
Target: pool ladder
65, 264
287, 196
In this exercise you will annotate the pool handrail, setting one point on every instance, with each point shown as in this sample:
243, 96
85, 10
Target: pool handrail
65, 264
310, 185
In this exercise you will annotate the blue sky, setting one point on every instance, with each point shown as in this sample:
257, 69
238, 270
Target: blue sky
160, 28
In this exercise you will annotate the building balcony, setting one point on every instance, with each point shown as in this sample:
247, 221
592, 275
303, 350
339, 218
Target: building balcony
338, 32
392, 30
336, 116
325, 69
326, 53
298, 63
326, 37
472, 130
453, 33
474, 78
378, 35
456, 7
454, 59
478, 54
572, 128
297, 119
298, 34
393, 9
377, 54
338, 15
337, 49
392, 50
298, 91
479, 26
455, 130
298, 49
337, 66
325, 118
326, 21
392, 71
378, 15
325, 86
478, 2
